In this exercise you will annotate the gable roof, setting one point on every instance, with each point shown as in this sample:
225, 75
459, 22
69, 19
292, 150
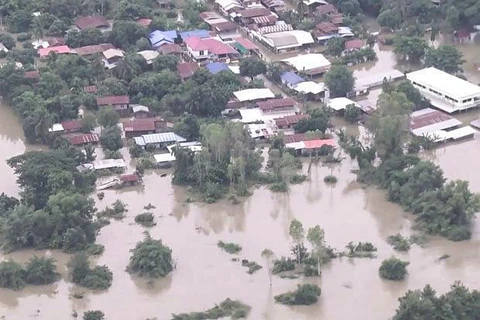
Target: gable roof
91, 22
83, 138
71, 125
212, 45
170, 48
90, 89
326, 9
158, 38
247, 44
97, 48
112, 53
186, 69
112, 100
43, 52
291, 78
139, 125
144, 22
255, 12
327, 27
273, 104
216, 67
290, 120
195, 33
354, 44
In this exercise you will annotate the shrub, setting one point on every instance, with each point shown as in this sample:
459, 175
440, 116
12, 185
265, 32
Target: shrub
12, 275
310, 271
229, 247
145, 219
227, 308
279, 187
306, 294
251, 265
282, 265
398, 242
151, 258
3, 54
330, 179
393, 269
298, 178
93, 315
98, 278
41, 271
360, 250
22, 37
95, 249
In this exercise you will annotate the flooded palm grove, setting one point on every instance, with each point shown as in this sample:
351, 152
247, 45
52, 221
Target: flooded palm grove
205, 275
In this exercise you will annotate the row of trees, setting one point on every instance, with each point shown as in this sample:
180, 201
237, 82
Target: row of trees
38, 271
441, 208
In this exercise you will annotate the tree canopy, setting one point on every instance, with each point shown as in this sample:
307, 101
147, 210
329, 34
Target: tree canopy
151, 259
446, 58
252, 67
339, 80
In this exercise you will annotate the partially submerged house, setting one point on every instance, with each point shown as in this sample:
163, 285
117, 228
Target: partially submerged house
288, 122
83, 138
119, 103
354, 45
285, 41
309, 64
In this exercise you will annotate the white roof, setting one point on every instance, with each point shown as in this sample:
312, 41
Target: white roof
445, 83
228, 4
295, 145
256, 114
40, 44
164, 157
262, 130
376, 78
110, 53
308, 61
234, 69
148, 55
310, 87
56, 127
138, 107
310, 2
164, 137
194, 146
287, 39
442, 135
254, 94
341, 103
303, 37
108, 163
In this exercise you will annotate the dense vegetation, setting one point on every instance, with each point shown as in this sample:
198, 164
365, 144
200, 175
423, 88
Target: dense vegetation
393, 269
229, 247
98, 278
306, 294
227, 308
151, 259
458, 303
93, 315
442, 208
38, 271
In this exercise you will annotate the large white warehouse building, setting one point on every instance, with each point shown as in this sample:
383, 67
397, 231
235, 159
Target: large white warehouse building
445, 92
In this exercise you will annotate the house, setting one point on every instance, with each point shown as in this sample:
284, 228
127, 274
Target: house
40, 44
312, 90
208, 48
325, 31
255, 94
138, 127
159, 38
44, 52
211, 17
291, 79
285, 41
158, 140
265, 21
108, 164
112, 57
326, 9
247, 15
90, 89
72, 126
84, 138
56, 42
88, 51
121, 104
336, 19
353, 45
226, 7
313, 4
140, 112
225, 30
88, 22
251, 3
200, 33
216, 67
186, 69
130, 179
170, 49
246, 47
341, 103
276, 6
310, 64
288, 122
148, 55
278, 105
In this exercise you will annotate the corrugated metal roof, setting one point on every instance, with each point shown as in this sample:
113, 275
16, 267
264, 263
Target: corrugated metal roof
165, 137
291, 78
108, 163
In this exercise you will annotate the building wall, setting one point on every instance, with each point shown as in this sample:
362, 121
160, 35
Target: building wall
197, 55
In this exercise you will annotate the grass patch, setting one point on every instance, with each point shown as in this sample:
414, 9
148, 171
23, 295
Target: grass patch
398, 242
145, 219
251, 265
227, 308
229, 247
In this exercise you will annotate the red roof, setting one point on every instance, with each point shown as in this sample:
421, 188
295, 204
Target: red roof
247, 44
139, 125
290, 120
212, 45
234, 104
132, 177
43, 52
112, 100
326, 9
354, 44
224, 26
32, 74
186, 69
90, 89
144, 22
327, 27
318, 143
462, 33
91, 22
276, 103
83, 138
72, 125
336, 18
170, 48
427, 118
97, 48
255, 12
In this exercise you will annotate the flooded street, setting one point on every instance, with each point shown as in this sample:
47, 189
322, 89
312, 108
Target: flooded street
205, 275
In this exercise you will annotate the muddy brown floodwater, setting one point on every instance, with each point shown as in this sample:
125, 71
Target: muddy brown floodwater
351, 288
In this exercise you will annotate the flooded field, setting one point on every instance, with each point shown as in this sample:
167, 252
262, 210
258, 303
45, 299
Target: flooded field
351, 288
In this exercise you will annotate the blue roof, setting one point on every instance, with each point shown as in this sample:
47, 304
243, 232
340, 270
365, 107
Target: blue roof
158, 38
216, 67
291, 78
195, 33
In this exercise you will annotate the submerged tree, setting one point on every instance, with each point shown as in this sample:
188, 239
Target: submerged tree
151, 259
339, 80
446, 58
252, 67
393, 269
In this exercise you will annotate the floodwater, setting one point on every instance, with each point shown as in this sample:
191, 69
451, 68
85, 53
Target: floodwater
204, 275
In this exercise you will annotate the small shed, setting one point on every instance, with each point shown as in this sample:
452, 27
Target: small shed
291, 79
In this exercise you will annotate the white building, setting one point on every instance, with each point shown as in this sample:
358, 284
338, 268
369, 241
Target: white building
341, 103
311, 64
445, 92
254, 94
286, 40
